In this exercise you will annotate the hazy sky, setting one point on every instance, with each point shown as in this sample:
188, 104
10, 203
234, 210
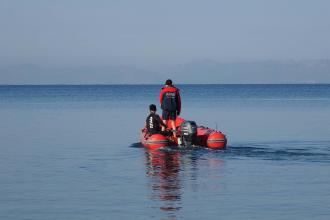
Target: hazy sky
151, 32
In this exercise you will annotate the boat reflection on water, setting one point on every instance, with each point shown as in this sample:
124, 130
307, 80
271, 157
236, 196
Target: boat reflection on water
168, 173
163, 170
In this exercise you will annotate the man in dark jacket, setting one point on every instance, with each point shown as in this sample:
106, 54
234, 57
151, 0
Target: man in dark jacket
170, 101
154, 123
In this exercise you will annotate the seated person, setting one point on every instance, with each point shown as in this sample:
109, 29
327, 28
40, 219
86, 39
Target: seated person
154, 123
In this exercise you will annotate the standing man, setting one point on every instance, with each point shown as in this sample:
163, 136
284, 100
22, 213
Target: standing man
170, 101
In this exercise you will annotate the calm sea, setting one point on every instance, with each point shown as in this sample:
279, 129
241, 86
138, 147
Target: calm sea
72, 152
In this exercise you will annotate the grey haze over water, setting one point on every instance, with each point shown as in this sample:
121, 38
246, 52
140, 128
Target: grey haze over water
47, 42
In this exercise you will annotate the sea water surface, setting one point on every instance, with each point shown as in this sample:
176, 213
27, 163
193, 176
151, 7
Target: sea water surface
72, 152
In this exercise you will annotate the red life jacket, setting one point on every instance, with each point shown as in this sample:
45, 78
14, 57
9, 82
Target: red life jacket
170, 99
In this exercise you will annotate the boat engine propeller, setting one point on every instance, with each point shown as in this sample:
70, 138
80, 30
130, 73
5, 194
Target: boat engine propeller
188, 133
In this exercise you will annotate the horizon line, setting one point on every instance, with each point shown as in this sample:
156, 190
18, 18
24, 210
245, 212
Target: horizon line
151, 84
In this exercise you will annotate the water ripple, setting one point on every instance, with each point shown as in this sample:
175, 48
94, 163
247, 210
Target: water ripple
307, 151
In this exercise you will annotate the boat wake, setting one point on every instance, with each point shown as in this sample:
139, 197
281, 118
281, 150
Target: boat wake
313, 151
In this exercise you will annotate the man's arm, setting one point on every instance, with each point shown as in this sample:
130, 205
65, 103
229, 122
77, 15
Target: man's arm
161, 96
178, 98
161, 122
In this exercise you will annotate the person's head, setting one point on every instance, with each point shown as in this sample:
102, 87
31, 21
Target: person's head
152, 108
168, 82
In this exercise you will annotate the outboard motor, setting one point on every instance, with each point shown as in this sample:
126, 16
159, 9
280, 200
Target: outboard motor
188, 133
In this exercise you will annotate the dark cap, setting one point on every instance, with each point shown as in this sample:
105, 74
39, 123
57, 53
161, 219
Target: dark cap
152, 107
168, 82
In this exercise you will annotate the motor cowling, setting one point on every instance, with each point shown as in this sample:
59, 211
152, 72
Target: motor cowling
188, 133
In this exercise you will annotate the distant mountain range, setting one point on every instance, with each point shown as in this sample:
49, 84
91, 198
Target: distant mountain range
205, 71
308, 71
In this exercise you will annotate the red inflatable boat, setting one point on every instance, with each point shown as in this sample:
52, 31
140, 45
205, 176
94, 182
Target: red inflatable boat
188, 134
